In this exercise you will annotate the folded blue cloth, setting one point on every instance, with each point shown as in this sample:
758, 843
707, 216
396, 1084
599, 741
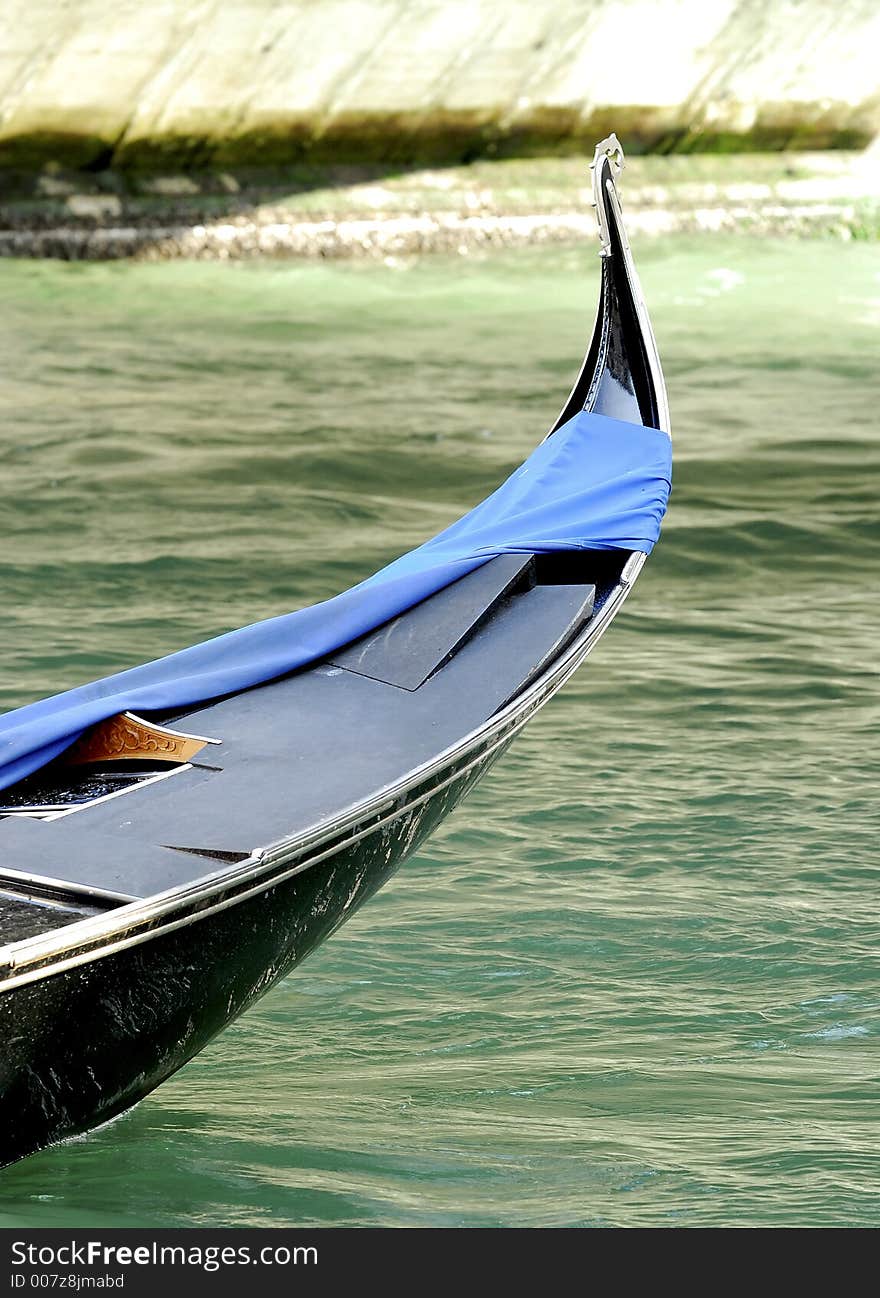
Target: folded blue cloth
596, 484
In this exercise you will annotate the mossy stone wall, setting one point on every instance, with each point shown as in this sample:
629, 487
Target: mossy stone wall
196, 85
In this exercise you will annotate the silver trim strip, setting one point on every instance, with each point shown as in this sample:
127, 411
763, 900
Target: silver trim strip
76, 891
167, 730
118, 793
262, 865
642, 316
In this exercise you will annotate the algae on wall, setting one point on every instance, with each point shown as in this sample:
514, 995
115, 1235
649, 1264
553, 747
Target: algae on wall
202, 84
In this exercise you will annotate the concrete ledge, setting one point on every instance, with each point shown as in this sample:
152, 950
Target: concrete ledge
485, 205
195, 85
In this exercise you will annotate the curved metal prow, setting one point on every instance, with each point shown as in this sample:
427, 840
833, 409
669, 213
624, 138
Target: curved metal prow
621, 375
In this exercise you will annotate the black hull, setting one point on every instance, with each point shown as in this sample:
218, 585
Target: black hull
328, 780
84, 1045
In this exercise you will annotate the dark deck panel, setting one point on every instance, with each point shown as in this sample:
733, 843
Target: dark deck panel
409, 648
297, 752
72, 850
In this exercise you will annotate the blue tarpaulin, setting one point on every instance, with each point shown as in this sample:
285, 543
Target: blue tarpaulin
597, 483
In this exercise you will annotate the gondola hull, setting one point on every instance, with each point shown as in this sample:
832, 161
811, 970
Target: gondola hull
151, 1006
141, 915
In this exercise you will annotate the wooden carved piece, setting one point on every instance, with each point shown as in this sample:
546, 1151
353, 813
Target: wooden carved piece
127, 738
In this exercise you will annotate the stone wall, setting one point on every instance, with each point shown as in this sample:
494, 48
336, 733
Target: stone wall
169, 85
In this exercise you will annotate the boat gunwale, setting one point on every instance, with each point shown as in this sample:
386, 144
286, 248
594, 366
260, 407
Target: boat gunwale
141, 920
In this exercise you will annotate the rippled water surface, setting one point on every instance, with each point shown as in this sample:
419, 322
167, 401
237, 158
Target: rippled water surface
633, 981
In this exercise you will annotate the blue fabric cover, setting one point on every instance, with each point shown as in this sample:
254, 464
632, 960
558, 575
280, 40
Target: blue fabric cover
597, 483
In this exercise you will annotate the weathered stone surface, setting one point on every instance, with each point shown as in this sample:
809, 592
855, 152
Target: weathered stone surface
468, 209
181, 85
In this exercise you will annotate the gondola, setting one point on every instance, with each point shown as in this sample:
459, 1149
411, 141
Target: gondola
163, 867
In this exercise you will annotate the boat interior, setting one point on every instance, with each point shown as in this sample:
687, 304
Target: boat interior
93, 831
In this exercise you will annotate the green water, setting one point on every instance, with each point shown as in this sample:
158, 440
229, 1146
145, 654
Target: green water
634, 980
